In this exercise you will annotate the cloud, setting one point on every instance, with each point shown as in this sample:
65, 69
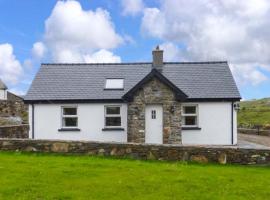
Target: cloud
171, 51
39, 50
72, 34
10, 68
215, 30
132, 7
102, 56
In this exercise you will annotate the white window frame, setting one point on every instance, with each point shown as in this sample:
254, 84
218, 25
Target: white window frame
69, 116
112, 115
190, 114
114, 88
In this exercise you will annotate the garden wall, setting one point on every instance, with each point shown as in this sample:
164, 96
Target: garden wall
254, 131
14, 131
221, 155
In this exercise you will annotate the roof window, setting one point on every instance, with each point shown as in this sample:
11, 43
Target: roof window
114, 83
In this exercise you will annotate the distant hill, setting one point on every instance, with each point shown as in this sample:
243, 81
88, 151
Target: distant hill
254, 112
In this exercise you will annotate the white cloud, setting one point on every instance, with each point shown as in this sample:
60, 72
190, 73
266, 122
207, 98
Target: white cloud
102, 56
132, 7
17, 91
216, 30
39, 50
71, 33
171, 51
10, 68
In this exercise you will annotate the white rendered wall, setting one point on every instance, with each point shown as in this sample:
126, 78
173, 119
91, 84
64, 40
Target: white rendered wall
3, 94
215, 123
90, 122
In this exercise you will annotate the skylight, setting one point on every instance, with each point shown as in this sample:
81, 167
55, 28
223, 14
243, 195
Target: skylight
114, 83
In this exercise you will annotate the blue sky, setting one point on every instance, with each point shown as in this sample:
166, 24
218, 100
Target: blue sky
187, 31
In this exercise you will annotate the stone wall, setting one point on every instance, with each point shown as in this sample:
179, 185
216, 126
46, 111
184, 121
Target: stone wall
12, 108
254, 131
154, 92
223, 155
14, 131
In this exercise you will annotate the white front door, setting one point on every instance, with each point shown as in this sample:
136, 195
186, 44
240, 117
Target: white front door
154, 124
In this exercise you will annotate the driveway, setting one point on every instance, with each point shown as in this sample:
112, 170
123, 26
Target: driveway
253, 141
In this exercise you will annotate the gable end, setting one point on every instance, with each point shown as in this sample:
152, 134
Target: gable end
179, 95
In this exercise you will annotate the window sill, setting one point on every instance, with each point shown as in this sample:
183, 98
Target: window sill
191, 128
68, 129
113, 129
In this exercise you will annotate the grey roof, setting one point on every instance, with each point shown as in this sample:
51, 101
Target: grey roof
3, 85
86, 81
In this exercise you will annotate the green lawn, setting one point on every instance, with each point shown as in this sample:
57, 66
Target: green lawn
50, 176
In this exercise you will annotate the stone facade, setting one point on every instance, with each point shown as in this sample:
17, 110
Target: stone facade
154, 92
222, 155
14, 131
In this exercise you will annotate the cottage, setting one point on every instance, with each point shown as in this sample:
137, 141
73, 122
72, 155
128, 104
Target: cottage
3, 90
153, 102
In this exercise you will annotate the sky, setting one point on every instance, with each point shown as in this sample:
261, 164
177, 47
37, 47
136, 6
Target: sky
45, 31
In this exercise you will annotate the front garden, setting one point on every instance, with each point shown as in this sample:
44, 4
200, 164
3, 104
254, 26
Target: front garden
51, 176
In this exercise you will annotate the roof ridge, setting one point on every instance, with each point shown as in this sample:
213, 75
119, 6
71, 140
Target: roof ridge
139, 63
126, 63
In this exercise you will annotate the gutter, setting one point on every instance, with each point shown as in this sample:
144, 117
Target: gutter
232, 123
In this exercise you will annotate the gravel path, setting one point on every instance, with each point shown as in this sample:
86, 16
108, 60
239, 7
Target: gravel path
261, 140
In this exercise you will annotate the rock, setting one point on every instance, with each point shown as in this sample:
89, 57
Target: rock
31, 149
151, 156
113, 152
60, 147
222, 159
199, 159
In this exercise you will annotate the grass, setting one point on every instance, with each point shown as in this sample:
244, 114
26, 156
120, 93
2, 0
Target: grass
254, 112
50, 176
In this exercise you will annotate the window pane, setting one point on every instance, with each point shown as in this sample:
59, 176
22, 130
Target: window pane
70, 121
114, 83
113, 110
113, 121
190, 109
190, 120
70, 111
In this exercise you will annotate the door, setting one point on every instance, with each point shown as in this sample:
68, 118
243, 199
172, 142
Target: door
154, 124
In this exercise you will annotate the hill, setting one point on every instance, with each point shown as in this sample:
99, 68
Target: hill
254, 112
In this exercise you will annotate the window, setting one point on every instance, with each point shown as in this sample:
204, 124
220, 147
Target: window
114, 84
112, 116
153, 114
69, 117
190, 116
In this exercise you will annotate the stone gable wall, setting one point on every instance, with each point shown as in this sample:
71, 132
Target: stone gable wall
154, 92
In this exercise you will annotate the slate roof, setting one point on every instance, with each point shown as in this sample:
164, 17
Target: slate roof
3, 85
198, 80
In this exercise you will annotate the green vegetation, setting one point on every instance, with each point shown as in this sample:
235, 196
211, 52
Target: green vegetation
254, 112
51, 176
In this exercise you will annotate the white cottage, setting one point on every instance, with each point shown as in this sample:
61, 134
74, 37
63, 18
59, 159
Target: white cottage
3, 90
153, 102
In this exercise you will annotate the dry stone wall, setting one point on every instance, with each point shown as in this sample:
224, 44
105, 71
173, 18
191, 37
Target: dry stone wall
14, 131
222, 155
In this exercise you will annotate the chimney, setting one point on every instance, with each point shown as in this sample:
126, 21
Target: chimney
157, 58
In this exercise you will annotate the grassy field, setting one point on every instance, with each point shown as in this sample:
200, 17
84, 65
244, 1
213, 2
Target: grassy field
47, 176
254, 112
